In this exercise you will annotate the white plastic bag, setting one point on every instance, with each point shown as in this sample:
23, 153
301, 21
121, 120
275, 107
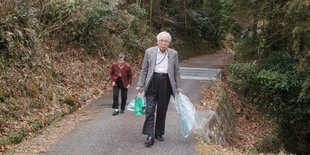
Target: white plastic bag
131, 105
187, 112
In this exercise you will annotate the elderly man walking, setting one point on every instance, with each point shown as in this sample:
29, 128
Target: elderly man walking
160, 78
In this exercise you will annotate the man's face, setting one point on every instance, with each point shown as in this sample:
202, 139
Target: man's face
121, 61
163, 42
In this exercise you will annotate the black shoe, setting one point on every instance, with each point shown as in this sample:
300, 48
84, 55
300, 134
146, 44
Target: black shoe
115, 113
122, 111
149, 141
159, 137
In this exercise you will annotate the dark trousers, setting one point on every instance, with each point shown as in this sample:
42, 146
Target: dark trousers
158, 94
119, 85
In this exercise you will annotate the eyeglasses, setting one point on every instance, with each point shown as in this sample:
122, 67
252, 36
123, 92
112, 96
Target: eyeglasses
163, 41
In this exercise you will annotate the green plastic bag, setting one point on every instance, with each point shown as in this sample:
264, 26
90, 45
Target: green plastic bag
140, 105
139, 109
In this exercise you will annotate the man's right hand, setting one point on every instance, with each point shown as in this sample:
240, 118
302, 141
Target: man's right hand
139, 89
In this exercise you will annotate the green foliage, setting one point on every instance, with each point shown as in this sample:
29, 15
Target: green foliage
248, 48
18, 135
201, 26
35, 126
69, 100
275, 90
96, 25
78, 22
49, 118
137, 11
270, 144
31, 33
242, 76
213, 12
273, 80
277, 38
275, 26
186, 49
19, 33
206, 140
12, 108
199, 20
4, 141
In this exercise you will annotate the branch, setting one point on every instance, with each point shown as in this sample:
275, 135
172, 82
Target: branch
167, 20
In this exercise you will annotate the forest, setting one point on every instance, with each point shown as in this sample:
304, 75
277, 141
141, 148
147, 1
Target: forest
54, 56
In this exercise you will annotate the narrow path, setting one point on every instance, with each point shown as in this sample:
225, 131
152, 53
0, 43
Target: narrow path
121, 134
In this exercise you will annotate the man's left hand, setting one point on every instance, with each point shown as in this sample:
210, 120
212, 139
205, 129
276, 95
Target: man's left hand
179, 90
128, 86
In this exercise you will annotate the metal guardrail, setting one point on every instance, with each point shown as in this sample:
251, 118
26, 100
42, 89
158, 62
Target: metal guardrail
199, 73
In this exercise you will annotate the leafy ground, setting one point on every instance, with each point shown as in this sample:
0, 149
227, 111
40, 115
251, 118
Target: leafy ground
81, 76
251, 127
40, 142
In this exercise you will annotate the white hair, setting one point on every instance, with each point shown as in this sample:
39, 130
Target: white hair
164, 33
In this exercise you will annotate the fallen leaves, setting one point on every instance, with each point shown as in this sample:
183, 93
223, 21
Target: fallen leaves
52, 134
251, 126
70, 72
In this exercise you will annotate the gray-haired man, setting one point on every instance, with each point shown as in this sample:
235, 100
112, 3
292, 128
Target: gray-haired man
160, 78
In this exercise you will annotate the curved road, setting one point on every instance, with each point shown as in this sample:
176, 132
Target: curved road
121, 134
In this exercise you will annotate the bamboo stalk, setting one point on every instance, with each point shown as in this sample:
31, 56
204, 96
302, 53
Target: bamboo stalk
138, 2
185, 22
151, 11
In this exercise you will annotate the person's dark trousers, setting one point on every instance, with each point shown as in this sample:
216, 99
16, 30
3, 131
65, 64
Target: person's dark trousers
119, 86
158, 94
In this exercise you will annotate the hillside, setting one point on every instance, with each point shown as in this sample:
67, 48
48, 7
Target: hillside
52, 62
56, 56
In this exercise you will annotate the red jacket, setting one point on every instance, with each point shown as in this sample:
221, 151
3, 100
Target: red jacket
126, 73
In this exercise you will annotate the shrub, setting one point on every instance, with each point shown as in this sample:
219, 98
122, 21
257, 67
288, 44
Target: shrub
242, 77
275, 89
4, 141
80, 22
69, 100
29, 35
35, 126
18, 135
97, 25
18, 35
12, 108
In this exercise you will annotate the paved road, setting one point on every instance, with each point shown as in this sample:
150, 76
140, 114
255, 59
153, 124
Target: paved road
121, 134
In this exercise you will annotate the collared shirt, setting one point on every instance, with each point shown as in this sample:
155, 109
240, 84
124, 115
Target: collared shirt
120, 67
161, 65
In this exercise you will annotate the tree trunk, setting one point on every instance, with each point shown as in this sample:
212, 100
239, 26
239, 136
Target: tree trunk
138, 2
151, 11
156, 6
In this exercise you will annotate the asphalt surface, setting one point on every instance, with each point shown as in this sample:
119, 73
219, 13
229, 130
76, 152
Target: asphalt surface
122, 134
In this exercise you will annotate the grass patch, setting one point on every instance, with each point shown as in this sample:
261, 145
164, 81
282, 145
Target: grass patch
17, 136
